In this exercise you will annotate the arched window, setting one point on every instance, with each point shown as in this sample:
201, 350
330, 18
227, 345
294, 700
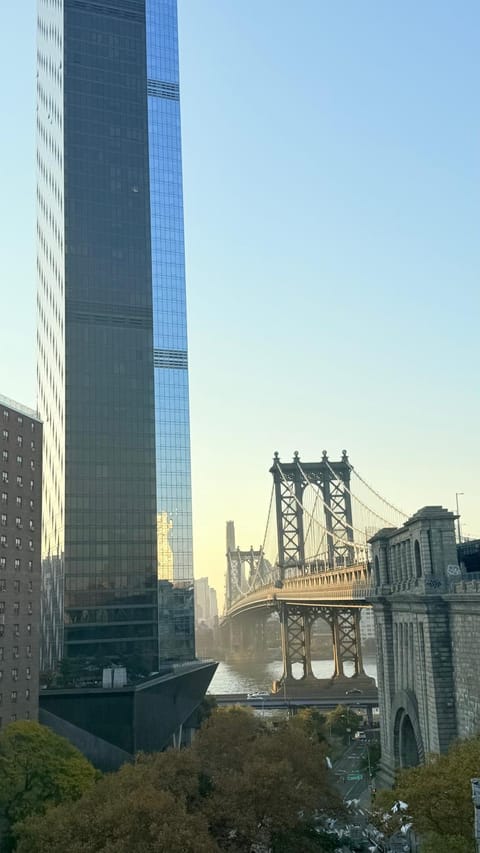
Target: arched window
377, 570
418, 559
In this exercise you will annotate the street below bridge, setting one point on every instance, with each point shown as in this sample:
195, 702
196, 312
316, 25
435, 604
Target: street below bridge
280, 702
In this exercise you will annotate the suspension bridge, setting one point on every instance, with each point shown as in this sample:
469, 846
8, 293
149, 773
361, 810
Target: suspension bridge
313, 563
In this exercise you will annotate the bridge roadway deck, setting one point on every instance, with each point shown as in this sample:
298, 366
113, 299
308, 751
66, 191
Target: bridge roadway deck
331, 589
274, 702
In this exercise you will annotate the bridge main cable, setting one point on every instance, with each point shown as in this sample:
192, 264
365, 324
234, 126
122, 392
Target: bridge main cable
365, 506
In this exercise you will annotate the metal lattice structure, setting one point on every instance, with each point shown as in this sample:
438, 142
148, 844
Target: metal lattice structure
332, 479
331, 581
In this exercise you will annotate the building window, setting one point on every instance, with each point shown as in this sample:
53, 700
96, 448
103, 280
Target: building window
14, 673
4, 476
30, 565
16, 652
32, 445
2, 607
13, 695
3, 540
5, 455
29, 629
18, 500
30, 544
20, 440
27, 694
19, 419
32, 503
418, 559
18, 543
19, 480
16, 608
3, 519
32, 427
16, 564
19, 460
5, 434
29, 608
31, 525
16, 586
5, 415
29, 651
28, 673
32, 464
18, 522
2, 631
3, 562
16, 630
4, 498
31, 485
3, 584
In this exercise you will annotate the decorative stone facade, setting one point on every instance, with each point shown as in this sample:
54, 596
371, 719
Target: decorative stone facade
425, 626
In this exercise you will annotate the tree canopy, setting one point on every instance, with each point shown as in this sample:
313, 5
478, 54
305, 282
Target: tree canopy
241, 783
439, 799
37, 769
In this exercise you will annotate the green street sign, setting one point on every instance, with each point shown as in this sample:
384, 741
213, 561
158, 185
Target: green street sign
355, 777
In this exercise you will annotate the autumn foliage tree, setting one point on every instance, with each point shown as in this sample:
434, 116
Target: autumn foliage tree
242, 783
439, 799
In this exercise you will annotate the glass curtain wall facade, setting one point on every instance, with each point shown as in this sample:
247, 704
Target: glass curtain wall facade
117, 542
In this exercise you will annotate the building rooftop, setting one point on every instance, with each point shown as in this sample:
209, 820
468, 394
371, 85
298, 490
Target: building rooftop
18, 407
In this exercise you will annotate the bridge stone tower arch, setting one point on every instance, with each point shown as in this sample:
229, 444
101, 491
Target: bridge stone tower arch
411, 569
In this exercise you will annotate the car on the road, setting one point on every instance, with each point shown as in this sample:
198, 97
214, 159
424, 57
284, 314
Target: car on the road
353, 692
259, 694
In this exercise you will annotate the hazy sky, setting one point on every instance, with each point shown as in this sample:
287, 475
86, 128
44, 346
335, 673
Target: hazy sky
331, 176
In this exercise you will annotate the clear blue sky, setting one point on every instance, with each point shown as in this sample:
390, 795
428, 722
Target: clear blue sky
331, 173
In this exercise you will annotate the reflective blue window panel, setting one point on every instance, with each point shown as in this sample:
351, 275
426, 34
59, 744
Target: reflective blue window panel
172, 430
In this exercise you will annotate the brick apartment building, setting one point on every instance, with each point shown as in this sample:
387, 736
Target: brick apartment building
20, 565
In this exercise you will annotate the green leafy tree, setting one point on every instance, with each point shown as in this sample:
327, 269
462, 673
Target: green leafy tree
37, 768
146, 808
241, 786
312, 722
262, 780
342, 722
439, 799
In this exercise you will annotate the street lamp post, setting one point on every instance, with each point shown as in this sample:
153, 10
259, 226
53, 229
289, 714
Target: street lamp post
476, 803
459, 532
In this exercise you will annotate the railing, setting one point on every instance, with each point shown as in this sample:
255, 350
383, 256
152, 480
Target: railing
312, 589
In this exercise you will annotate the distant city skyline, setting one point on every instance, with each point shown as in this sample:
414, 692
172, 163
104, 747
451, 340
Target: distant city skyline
331, 203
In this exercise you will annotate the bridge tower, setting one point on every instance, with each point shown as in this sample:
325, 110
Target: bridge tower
245, 636
411, 570
332, 480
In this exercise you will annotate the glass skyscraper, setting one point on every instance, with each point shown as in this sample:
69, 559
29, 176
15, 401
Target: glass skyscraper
112, 341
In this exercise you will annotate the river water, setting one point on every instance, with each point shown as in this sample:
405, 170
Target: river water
250, 677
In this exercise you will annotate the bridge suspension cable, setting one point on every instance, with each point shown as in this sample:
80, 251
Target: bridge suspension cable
377, 494
359, 501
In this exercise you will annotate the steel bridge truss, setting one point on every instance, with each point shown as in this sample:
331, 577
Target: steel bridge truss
332, 479
296, 625
244, 568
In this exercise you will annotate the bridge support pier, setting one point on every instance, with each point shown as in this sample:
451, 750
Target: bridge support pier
295, 624
347, 645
